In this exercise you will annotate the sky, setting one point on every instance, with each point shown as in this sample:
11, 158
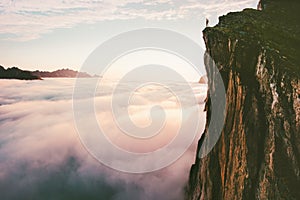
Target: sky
55, 34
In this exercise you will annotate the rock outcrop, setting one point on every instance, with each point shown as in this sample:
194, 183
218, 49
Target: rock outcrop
258, 153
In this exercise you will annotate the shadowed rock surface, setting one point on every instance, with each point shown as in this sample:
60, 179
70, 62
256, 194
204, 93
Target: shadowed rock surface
258, 153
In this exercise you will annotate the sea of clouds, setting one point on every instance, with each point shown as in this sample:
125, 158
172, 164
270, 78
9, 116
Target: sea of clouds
42, 157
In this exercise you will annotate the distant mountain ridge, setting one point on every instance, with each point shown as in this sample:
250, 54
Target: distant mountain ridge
16, 73
67, 73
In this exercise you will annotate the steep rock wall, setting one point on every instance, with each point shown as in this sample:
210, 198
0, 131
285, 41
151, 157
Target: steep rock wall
258, 153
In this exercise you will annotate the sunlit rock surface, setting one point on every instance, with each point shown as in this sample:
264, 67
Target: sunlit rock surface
258, 153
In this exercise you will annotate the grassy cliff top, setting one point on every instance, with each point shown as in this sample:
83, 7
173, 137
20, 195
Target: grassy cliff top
276, 27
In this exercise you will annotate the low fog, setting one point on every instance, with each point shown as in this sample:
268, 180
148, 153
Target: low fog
42, 157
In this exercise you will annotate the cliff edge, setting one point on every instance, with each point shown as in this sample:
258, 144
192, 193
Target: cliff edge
258, 153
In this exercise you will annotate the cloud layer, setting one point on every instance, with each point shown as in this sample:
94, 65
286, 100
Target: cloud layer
28, 19
41, 156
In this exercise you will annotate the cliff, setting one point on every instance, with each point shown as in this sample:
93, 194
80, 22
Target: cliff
258, 153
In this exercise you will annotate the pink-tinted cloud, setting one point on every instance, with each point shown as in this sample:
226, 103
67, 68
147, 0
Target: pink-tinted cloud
41, 156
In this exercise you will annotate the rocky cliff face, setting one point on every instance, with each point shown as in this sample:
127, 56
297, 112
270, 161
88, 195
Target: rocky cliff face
258, 153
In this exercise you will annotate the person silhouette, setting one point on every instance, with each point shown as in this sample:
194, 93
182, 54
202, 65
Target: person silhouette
206, 22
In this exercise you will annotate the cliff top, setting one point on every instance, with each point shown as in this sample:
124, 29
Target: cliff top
275, 26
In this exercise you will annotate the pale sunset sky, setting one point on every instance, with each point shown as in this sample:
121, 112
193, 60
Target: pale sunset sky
54, 34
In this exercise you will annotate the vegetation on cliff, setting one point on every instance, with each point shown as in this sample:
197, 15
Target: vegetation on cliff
276, 28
